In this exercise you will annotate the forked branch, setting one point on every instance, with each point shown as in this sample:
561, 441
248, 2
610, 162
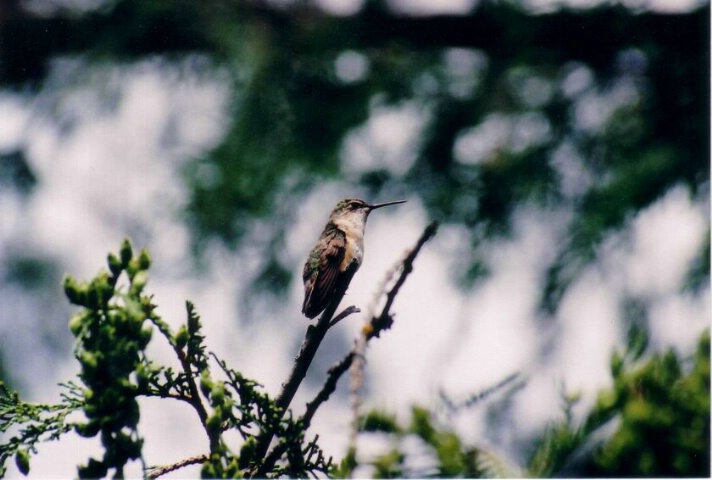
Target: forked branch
373, 328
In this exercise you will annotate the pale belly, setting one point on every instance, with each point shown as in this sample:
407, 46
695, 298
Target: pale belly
354, 251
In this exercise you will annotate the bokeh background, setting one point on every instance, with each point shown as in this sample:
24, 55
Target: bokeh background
562, 144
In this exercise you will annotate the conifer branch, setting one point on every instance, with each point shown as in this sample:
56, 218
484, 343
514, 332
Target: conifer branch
313, 338
156, 472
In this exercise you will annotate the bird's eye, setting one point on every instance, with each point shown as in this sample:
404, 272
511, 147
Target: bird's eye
353, 205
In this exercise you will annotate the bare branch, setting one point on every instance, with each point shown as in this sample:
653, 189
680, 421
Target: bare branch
313, 338
315, 334
373, 328
329, 387
379, 323
515, 380
155, 472
384, 320
345, 313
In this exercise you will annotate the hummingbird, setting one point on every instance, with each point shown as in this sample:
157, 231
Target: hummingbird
337, 254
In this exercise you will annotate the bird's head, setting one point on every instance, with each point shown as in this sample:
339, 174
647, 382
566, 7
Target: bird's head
352, 212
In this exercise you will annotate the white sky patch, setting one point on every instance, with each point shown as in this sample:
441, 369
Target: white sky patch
664, 240
531, 89
464, 67
574, 177
660, 6
499, 333
107, 174
499, 132
537, 404
51, 7
14, 116
389, 139
499, 340
553, 5
651, 260
667, 6
589, 330
677, 320
11, 217
477, 144
351, 66
59, 459
432, 7
577, 80
333, 422
594, 109
340, 7
661, 243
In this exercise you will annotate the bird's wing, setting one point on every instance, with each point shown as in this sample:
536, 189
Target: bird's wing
319, 282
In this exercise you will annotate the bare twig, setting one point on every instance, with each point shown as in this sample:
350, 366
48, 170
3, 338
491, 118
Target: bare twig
315, 334
384, 320
379, 323
514, 381
329, 387
345, 313
356, 369
155, 472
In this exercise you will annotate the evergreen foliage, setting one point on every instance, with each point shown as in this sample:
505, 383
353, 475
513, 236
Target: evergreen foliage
112, 332
660, 405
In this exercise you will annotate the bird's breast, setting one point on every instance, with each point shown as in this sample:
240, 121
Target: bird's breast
353, 251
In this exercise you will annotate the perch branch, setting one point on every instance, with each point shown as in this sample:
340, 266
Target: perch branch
347, 311
315, 334
372, 329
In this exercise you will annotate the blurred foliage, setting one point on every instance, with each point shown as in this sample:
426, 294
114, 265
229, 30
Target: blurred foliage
602, 92
16, 173
664, 410
32, 273
658, 406
699, 275
428, 446
445, 452
661, 407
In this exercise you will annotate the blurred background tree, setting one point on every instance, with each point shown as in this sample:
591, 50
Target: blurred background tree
591, 114
502, 98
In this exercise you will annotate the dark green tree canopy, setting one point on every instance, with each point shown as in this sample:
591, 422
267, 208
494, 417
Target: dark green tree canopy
537, 75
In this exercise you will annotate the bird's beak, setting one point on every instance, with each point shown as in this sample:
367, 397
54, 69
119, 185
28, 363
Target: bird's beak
379, 205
